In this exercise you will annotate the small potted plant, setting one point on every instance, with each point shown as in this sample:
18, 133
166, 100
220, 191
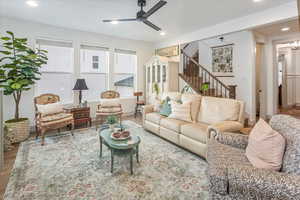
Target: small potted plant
19, 70
111, 121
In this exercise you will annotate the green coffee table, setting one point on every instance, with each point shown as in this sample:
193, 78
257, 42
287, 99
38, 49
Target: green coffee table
126, 147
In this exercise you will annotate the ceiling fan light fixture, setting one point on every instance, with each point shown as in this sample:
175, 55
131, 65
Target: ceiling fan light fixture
114, 22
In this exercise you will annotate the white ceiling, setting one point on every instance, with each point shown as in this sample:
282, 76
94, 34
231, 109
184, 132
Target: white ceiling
274, 30
176, 18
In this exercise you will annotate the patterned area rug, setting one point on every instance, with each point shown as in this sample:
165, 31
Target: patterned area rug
69, 168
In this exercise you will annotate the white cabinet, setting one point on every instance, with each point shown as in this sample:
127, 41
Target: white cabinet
1, 132
163, 72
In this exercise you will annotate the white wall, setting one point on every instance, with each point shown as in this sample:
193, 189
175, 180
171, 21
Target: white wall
32, 31
243, 65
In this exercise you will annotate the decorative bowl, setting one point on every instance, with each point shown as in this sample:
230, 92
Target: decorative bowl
125, 135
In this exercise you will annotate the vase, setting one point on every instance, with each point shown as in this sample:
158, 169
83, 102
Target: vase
112, 127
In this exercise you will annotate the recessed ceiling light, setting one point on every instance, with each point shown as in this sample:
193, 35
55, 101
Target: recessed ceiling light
162, 33
285, 29
256, 1
32, 3
114, 22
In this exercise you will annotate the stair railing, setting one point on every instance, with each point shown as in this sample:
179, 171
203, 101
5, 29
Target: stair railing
196, 75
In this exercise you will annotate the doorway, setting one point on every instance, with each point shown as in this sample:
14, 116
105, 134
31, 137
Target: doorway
289, 79
259, 71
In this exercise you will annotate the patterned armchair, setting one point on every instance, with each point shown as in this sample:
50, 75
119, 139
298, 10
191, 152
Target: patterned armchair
109, 106
231, 175
52, 121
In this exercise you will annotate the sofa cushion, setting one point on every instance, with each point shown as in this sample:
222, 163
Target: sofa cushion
154, 117
172, 124
289, 128
195, 131
181, 111
195, 105
265, 147
220, 157
214, 110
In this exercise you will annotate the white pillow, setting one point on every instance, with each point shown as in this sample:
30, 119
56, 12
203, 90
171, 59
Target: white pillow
181, 111
214, 110
195, 100
51, 108
110, 103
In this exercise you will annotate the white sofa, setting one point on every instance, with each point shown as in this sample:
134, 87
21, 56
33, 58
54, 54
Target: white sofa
208, 113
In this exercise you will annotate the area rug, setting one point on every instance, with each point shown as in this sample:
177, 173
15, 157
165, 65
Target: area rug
69, 168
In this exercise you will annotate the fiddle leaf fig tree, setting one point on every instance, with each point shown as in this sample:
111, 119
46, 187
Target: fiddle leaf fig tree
19, 66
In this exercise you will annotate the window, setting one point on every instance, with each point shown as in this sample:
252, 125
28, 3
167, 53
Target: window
124, 72
57, 74
94, 63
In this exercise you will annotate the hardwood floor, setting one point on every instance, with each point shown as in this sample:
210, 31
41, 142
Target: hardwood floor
9, 159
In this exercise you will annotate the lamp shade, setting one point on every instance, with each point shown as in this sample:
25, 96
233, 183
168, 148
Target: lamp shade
80, 85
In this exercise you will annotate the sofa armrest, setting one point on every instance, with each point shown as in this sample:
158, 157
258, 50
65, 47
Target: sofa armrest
225, 126
147, 109
232, 139
263, 183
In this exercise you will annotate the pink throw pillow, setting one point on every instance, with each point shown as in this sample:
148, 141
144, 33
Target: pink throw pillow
265, 147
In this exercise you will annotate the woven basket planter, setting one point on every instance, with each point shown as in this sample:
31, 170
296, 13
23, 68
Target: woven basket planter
17, 132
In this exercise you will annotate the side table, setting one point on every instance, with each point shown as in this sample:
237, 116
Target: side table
81, 115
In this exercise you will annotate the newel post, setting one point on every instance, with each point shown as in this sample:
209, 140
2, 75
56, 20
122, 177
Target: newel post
232, 92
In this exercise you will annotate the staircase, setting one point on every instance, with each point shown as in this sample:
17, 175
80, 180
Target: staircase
202, 81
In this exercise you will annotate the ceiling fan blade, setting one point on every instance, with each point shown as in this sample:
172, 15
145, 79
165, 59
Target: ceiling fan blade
119, 20
151, 25
156, 7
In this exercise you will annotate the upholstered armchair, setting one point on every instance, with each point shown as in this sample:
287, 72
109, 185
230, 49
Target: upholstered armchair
110, 105
232, 176
49, 115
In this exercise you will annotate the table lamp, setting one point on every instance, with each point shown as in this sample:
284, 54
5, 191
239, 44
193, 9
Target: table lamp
79, 86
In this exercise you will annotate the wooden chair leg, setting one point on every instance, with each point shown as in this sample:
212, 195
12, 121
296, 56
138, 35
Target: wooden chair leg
37, 129
43, 137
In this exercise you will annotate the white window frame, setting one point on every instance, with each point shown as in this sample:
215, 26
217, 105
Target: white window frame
51, 42
129, 52
107, 76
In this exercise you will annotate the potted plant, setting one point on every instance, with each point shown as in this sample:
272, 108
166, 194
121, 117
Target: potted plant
111, 121
19, 69
156, 89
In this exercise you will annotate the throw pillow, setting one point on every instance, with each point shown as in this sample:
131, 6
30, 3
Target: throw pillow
165, 108
265, 147
51, 108
108, 103
214, 110
195, 105
181, 111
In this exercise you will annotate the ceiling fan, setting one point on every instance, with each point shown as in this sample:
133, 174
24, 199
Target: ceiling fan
142, 16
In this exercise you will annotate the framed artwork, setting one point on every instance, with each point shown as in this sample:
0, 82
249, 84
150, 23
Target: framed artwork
222, 57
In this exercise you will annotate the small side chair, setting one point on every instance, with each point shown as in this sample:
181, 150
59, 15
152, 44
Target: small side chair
50, 120
139, 103
109, 106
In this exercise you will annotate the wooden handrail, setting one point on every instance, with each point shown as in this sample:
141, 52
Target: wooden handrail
196, 76
203, 68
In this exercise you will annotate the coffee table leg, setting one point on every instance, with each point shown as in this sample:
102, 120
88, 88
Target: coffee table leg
112, 160
131, 167
100, 146
137, 153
